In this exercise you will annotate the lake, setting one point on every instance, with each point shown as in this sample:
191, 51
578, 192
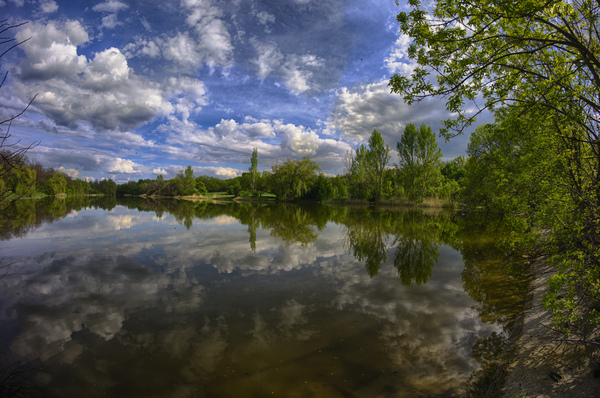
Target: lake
143, 298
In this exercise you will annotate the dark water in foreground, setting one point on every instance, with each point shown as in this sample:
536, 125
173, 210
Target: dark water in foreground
182, 299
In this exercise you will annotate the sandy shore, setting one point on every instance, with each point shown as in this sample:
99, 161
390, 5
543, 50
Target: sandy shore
536, 365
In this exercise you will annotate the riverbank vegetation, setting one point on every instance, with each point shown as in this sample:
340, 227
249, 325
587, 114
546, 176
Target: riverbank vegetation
535, 66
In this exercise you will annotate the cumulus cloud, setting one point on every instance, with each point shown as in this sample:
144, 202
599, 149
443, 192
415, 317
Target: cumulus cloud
397, 62
110, 6
360, 110
52, 50
269, 58
110, 21
48, 6
182, 49
296, 71
124, 166
159, 170
299, 72
73, 173
103, 90
265, 18
274, 139
207, 43
129, 139
213, 41
301, 141
142, 47
80, 159
186, 94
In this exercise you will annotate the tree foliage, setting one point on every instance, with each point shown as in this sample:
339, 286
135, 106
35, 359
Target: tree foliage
293, 179
525, 54
12, 153
536, 65
367, 168
254, 168
419, 161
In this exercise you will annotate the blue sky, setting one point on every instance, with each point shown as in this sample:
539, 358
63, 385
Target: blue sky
133, 88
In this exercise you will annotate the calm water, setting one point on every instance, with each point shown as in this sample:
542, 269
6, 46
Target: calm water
182, 299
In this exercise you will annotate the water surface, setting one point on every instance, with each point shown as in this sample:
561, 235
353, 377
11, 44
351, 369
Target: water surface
182, 299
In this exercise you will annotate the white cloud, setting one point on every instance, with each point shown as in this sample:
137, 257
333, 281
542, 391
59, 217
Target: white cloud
208, 42
142, 48
129, 139
103, 91
110, 6
70, 172
187, 95
52, 49
182, 49
265, 18
274, 139
107, 70
360, 110
269, 58
296, 71
124, 166
213, 41
397, 61
299, 140
110, 21
48, 6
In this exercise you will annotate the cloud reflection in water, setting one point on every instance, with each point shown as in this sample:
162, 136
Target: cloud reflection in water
116, 307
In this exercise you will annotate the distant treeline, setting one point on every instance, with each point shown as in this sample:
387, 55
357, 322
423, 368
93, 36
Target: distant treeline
24, 178
369, 177
419, 175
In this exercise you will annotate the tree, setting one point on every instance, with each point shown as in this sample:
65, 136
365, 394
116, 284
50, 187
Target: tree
454, 169
533, 59
526, 54
57, 184
293, 179
254, 168
322, 188
368, 167
22, 181
11, 152
201, 188
419, 161
379, 156
360, 176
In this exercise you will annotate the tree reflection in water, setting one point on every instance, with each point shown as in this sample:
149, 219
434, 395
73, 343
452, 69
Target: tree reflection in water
491, 276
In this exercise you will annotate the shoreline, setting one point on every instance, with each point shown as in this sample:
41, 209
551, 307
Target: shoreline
535, 364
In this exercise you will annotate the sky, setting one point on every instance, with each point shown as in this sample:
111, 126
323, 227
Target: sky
134, 88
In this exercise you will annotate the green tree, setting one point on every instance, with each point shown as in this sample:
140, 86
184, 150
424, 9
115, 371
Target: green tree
360, 175
22, 181
57, 184
367, 168
454, 169
201, 188
322, 188
419, 161
379, 157
254, 168
527, 54
293, 179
